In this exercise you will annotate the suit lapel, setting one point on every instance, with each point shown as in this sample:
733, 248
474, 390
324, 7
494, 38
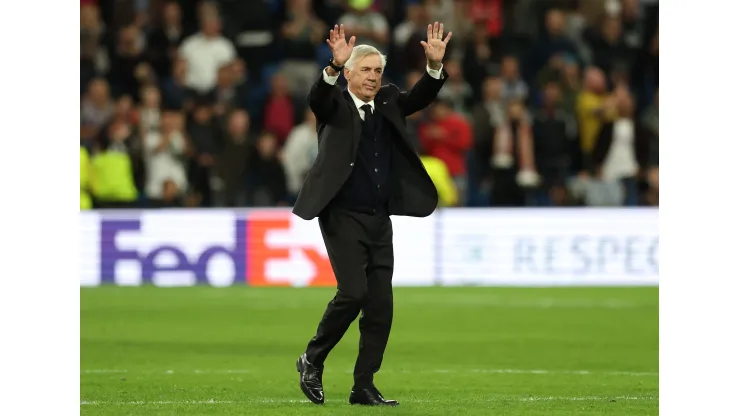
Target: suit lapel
382, 107
356, 121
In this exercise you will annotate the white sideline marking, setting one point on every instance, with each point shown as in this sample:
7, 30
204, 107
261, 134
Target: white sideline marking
96, 403
465, 371
419, 401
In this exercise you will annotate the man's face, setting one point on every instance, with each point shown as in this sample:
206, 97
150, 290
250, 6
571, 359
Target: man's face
555, 22
239, 123
267, 145
364, 79
510, 68
211, 26
172, 14
454, 72
440, 111
99, 91
492, 89
551, 93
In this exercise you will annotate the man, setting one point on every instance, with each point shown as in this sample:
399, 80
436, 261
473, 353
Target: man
365, 171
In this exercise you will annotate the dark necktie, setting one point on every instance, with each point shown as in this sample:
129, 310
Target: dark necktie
369, 123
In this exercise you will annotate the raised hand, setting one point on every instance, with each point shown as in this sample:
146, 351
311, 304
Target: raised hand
435, 46
339, 46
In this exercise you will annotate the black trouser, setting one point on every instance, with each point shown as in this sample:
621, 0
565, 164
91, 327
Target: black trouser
360, 248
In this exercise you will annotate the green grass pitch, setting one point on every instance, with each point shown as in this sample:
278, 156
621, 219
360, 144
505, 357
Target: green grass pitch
452, 351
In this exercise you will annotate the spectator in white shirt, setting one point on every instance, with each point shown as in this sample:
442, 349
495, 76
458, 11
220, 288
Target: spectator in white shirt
164, 157
299, 153
205, 52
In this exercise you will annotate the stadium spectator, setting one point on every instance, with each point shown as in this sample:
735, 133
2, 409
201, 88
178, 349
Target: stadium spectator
490, 13
164, 153
553, 41
228, 95
570, 85
651, 125
609, 50
300, 152
369, 26
621, 151
279, 109
176, 94
206, 52
416, 21
513, 158
96, 110
481, 58
231, 163
448, 136
514, 87
204, 134
126, 66
149, 111
112, 169
553, 131
94, 36
302, 33
456, 90
165, 39
594, 106
267, 181
487, 116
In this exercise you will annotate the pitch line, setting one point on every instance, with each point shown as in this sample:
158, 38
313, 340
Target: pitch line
338, 401
442, 371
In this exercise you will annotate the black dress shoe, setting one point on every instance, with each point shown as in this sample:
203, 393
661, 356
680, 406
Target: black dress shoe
310, 380
370, 397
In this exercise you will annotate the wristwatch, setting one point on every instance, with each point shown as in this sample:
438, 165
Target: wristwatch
334, 67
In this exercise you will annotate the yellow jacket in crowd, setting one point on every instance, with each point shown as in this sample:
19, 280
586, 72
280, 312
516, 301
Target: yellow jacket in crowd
85, 199
113, 175
446, 189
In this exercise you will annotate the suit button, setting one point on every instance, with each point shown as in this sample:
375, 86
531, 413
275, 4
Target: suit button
376, 153
352, 163
376, 169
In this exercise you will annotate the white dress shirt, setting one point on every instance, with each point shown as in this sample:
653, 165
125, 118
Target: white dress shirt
434, 73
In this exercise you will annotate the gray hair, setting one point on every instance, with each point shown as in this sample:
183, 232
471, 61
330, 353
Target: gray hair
361, 51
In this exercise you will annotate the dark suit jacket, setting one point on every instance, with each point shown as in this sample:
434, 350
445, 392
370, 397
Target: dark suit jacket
339, 126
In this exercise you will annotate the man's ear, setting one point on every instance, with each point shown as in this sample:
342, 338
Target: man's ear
346, 73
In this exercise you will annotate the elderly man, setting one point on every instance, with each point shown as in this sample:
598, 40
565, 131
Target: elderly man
366, 170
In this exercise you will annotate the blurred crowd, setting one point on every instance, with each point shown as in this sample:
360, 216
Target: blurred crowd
191, 103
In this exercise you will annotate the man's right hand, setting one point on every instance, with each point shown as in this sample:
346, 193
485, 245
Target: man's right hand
340, 49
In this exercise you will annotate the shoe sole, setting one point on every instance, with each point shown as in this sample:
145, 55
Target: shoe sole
374, 405
304, 389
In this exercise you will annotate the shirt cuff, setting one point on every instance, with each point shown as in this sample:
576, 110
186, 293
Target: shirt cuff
330, 80
435, 73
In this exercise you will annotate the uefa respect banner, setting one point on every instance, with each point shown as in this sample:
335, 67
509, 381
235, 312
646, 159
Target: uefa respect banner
268, 247
549, 247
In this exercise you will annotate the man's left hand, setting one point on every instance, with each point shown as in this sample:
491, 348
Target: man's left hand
435, 46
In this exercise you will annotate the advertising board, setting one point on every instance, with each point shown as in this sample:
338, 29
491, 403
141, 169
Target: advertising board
534, 247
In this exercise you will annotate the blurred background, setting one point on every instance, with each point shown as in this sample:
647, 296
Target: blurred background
203, 103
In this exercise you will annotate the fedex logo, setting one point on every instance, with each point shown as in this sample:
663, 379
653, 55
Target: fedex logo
285, 251
173, 250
